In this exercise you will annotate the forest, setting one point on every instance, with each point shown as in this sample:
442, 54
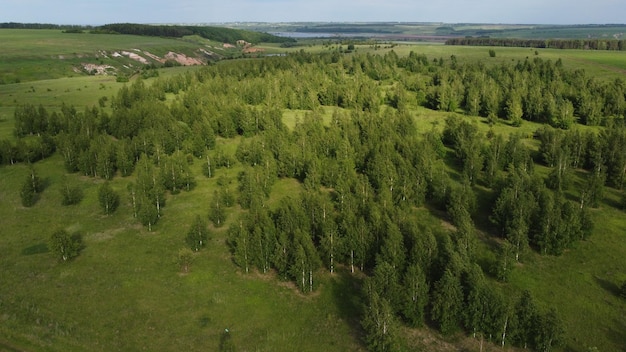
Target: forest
220, 34
583, 44
363, 173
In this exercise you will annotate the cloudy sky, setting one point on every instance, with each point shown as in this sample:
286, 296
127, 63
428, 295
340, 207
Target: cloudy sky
98, 12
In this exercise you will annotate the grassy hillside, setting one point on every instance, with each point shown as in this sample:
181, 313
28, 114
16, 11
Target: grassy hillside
39, 54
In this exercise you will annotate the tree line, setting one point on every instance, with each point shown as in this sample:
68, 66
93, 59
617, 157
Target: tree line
220, 34
582, 44
18, 25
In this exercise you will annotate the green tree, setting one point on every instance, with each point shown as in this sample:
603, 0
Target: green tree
217, 211
524, 319
63, 245
379, 322
513, 108
108, 198
593, 192
504, 262
147, 213
548, 331
446, 301
70, 193
31, 187
198, 234
305, 261
415, 297
241, 245
124, 157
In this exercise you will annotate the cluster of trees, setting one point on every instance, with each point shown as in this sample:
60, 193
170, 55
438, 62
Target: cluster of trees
220, 34
588, 44
535, 90
18, 25
363, 174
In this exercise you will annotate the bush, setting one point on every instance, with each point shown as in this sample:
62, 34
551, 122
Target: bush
30, 188
71, 194
492, 53
622, 290
109, 199
64, 246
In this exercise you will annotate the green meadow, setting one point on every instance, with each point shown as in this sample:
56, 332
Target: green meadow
126, 292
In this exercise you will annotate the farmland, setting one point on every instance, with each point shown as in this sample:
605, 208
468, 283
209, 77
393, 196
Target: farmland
126, 291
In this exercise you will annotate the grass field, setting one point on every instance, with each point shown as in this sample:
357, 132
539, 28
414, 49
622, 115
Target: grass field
126, 292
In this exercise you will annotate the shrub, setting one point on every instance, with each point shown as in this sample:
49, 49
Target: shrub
64, 245
71, 194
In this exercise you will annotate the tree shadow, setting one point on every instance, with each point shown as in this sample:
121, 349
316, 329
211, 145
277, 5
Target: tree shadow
226, 342
38, 248
45, 183
485, 199
346, 293
608, 286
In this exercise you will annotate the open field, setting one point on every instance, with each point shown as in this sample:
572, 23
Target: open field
126, 292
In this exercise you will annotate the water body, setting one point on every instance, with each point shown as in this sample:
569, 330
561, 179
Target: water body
306, 35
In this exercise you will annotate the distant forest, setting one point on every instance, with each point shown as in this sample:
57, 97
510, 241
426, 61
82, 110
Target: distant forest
227, 35
588, 44
220, 34
17, 25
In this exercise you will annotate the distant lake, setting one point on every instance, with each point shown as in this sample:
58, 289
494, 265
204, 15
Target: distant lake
305, 35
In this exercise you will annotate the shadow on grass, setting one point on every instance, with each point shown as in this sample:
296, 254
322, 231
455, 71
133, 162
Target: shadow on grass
608, 286
346, 293
38, 248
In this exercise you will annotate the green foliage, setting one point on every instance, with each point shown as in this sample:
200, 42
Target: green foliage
379, 323
71, 193
593, 44
217, 211
108, 198
198, 234
548, 331
65, 246
31, 187
447, 298
415, 295
219, 34
504, 263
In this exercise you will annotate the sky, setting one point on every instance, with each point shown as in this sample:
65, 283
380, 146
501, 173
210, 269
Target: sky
98, 12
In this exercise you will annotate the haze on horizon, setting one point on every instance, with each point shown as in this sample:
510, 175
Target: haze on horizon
92, 12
